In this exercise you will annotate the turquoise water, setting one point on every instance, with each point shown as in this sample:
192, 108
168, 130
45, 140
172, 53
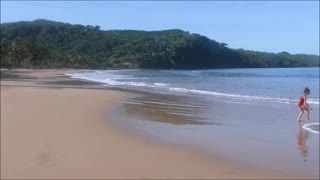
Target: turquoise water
248, 115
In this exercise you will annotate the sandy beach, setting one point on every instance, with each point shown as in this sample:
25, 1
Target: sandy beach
53, 127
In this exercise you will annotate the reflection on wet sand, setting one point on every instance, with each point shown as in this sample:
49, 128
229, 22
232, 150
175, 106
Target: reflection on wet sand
169, 109
302, 137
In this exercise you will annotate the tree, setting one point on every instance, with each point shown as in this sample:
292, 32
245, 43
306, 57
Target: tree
43, 43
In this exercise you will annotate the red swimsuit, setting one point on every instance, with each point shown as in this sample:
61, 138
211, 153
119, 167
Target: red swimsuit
301, 101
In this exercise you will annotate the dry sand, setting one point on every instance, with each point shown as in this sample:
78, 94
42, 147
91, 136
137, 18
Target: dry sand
63, 133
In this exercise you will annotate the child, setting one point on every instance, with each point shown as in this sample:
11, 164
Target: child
303, 105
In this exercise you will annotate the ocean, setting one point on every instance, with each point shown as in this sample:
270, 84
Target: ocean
247, 115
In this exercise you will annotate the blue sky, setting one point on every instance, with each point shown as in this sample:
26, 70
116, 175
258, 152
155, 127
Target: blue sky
291, 26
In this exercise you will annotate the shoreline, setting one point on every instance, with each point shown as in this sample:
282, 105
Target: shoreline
170, 124
78, 140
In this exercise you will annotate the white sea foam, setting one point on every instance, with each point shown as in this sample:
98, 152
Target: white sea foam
109, 78
312, 127
313, 101
244, 97
161, 84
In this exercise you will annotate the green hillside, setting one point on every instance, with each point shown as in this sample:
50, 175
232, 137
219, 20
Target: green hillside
49, 44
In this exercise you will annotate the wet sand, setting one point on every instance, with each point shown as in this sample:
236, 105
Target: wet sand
51, 129
224, 129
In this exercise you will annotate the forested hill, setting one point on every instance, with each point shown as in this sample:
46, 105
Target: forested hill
49, 44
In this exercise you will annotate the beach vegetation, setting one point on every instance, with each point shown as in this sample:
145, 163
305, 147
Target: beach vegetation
48, 44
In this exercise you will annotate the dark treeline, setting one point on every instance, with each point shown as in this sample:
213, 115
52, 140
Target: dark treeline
49, 44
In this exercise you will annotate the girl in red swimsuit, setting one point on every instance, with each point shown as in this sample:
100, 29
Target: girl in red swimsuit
303, 105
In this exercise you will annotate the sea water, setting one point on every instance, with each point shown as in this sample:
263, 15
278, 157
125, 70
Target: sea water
243, 114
